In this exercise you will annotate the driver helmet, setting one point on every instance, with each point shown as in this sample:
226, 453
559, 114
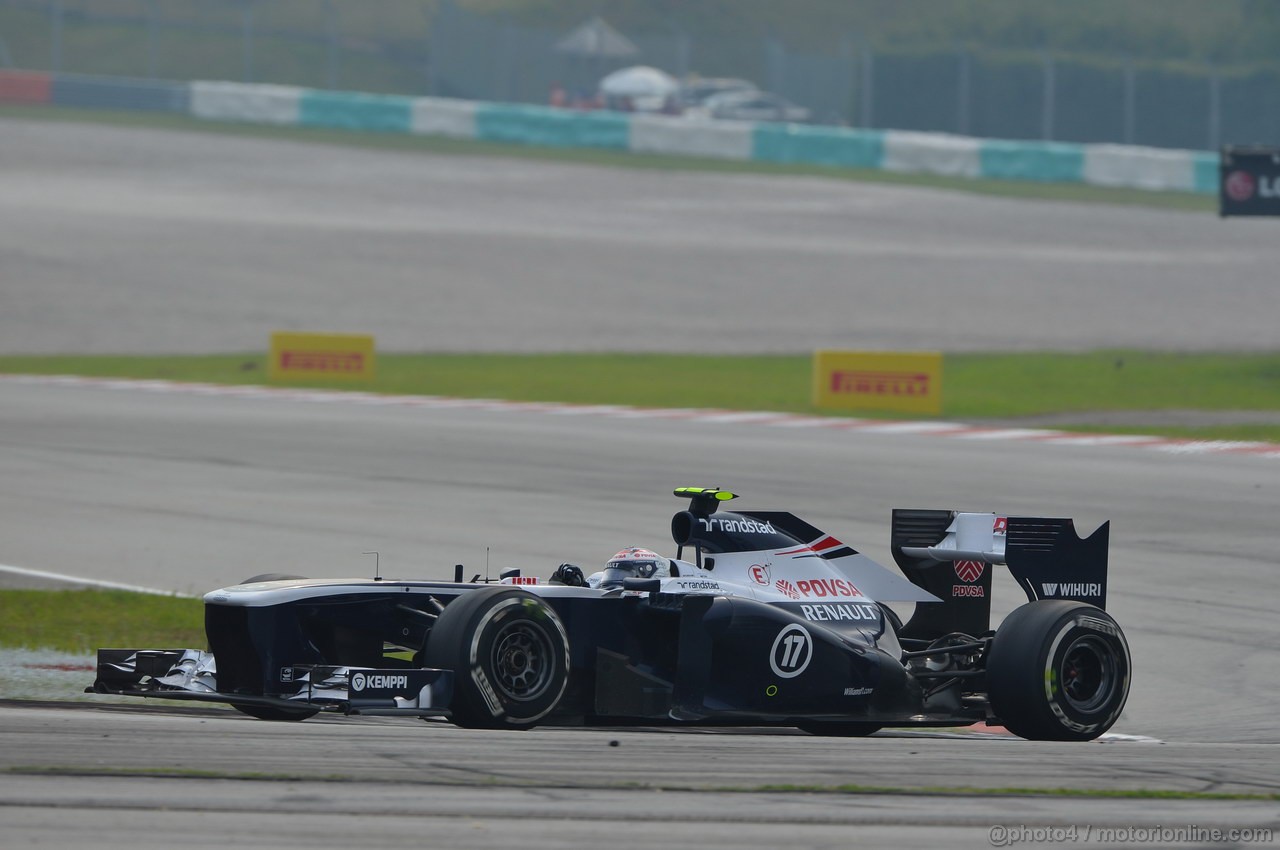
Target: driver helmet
634, 563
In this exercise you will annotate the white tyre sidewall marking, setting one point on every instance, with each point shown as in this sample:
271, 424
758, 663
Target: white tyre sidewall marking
492, 701
1085, 622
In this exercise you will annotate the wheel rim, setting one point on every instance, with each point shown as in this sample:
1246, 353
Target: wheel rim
1088, 674
523, 661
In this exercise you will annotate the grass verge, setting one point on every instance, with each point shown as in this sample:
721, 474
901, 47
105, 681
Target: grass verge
622, 159
81, 621
977, 386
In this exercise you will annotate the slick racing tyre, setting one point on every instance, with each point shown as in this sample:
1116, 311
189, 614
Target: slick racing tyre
1058, 671
509, 654
270, 712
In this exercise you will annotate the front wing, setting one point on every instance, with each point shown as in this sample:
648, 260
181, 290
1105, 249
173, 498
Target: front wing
191, 674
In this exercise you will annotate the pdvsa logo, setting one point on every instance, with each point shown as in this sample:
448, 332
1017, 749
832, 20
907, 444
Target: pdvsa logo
969, 571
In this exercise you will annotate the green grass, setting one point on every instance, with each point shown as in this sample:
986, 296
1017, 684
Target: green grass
621, 159
81, 621
976, 386
1001, 384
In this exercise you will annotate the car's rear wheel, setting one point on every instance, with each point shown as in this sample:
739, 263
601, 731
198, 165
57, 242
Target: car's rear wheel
1058, 671
509, 653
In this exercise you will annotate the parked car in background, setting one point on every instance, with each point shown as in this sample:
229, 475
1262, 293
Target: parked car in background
694, 93
755, 106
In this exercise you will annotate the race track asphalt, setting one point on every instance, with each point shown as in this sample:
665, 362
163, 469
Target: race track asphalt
165, 243
138, 240
213, 779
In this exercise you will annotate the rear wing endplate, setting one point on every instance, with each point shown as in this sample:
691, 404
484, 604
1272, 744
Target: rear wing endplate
948, 554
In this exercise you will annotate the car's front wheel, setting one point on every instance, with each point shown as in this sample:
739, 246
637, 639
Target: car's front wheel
1058, 671
509, 653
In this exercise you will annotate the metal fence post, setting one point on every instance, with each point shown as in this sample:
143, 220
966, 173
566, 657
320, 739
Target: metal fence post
1215, 109
683, 49
153, 13
1046, 118
331, 53
964, 84
775, 61
246, 24
504, 63
1130, 101
868, 88
55, 36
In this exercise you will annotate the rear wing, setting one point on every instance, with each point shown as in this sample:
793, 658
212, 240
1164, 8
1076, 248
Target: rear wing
948, 554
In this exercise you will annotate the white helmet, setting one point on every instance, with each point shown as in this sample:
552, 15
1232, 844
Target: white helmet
634, 563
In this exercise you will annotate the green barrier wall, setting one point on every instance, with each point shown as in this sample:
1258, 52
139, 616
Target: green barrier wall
1044, 162
799, 143
1205, 166
347, 111
540, 125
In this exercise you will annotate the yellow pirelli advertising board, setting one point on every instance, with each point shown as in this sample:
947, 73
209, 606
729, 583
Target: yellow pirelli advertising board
878, 380
321, 356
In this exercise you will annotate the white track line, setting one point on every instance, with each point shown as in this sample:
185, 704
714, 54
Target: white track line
90, 582
759, 419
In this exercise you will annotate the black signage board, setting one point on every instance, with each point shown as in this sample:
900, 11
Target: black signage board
1249, 181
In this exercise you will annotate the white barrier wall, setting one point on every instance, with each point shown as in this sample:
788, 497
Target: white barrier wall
681, 137
1139, 168
948, 155
932, 153
440, 116
252, 102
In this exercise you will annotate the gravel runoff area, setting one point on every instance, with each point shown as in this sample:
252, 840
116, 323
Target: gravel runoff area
45, 674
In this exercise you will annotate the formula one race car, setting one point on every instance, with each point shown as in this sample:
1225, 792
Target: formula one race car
769, 622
